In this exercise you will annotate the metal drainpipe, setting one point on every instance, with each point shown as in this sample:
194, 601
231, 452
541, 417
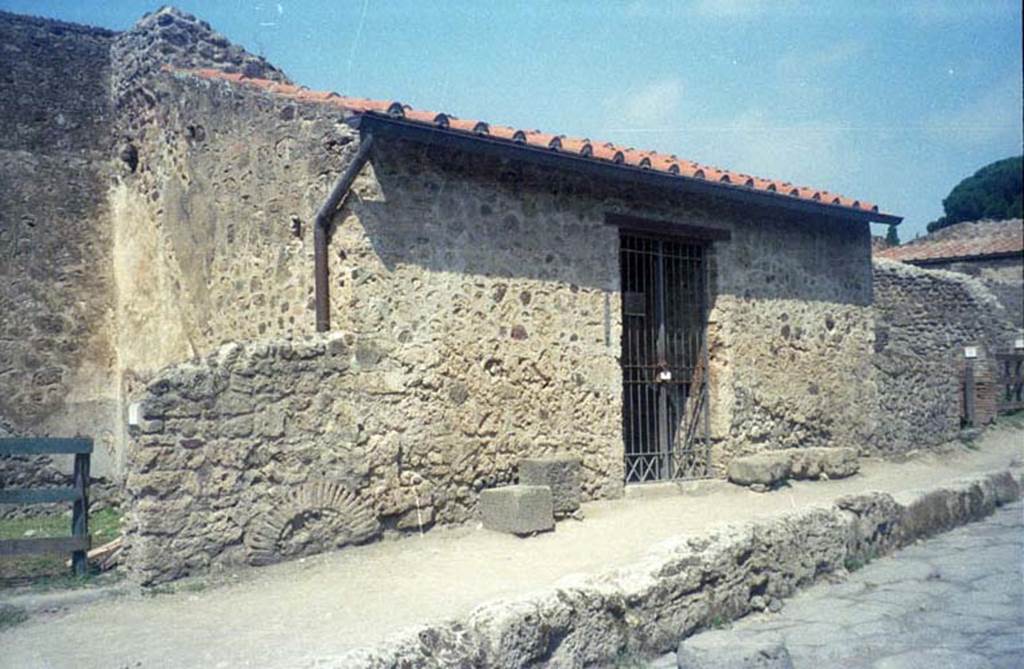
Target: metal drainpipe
320, 226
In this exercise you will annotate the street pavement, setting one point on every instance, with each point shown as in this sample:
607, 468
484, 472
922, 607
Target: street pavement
955, 601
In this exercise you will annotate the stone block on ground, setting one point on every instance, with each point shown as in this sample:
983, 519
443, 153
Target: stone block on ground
561, 474
768, 469
728, 650
812, 463
765, 469
518, 509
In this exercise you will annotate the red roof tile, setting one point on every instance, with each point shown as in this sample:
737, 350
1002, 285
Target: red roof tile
974, 239
606, 151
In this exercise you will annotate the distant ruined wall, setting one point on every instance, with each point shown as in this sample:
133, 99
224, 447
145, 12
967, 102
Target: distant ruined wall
1003, 276
57, 359
925, 318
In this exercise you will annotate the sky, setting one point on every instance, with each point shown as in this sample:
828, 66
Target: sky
891, 102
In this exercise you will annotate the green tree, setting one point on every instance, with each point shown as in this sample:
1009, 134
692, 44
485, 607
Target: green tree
995, 191
892, 237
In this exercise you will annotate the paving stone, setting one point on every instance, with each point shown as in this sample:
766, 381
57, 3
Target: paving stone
561, 474
518, 509
726, 650
934, 659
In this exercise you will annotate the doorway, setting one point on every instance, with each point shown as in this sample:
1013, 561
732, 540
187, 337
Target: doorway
664, 286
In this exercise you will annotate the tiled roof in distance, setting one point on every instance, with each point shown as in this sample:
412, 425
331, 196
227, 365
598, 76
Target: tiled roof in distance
972, 239
582, 147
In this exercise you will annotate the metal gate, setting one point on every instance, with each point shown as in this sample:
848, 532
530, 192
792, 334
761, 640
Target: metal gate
664, 358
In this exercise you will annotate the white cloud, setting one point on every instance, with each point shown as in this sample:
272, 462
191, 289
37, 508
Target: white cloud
649, 106
813, 154
820, 154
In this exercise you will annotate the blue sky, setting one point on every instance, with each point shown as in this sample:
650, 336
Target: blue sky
892, 102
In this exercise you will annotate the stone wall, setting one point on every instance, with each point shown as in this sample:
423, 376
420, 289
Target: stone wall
57, 361
498, 285
213, 205
1003, 276
925, 318
273, 449
495, 292
96, 293
791, 337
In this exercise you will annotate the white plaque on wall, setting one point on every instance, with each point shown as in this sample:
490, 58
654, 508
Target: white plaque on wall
135, 414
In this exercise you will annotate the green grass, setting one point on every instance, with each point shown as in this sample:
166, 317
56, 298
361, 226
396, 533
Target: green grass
11, 616
853, 562
1013, 419
49, 570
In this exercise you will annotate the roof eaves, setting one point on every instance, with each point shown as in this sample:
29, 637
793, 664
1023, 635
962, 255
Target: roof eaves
384, 126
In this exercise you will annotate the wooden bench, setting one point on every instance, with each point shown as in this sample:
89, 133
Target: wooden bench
79, 542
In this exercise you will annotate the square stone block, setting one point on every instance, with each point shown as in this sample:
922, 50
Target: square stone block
517, 509
561, 474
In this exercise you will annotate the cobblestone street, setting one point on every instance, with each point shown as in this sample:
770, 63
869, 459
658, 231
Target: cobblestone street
956, 601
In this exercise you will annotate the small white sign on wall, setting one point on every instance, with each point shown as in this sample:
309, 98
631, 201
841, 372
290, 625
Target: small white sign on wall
135, 414
1018, 343
970, 352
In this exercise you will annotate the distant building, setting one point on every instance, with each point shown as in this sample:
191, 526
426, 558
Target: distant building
992, 251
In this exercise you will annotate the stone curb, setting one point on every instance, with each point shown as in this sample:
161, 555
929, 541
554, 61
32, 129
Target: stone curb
688, 583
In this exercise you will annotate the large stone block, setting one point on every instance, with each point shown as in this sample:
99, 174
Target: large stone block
518, 509
765, 469
561, 474
812, 463
772, 467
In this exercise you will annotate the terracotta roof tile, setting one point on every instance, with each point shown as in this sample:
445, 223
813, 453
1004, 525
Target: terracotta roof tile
578, 146
575, 145
973, 239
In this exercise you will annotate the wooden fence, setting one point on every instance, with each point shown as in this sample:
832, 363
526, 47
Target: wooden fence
1010, 380
78, 494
